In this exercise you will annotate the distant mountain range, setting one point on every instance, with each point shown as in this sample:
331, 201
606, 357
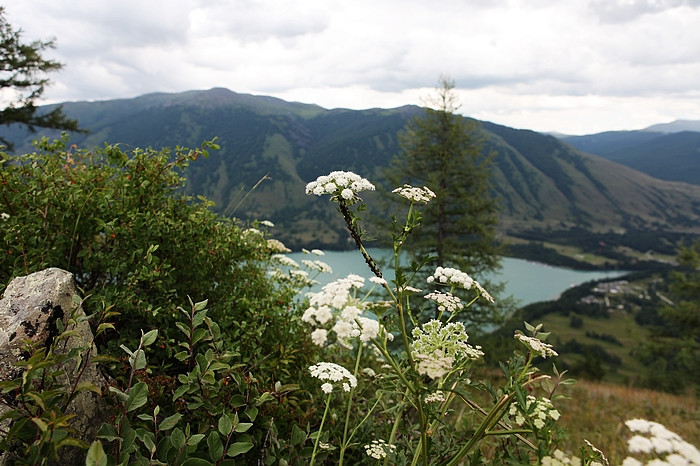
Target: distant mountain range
669, 151
545, 184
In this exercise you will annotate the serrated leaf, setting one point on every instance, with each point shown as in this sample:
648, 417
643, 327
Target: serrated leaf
239, 448
170, 422
182, 355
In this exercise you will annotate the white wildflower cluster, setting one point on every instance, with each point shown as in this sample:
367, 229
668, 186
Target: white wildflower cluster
340, 184
455, 277
331, 374
277, 246
336, 309
536, 345
666, 447
284, 260
423, 194
317, 265
559, 458
435, 348
435, 397
450, 276
379, 449
538, 409
377, 280
4, 215
447, 302
267, 223
253, 231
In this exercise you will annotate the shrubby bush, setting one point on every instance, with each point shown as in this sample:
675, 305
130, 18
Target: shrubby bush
139, 248
247, 377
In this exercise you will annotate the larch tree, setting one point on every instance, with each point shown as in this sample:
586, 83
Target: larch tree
23, 81
443, 151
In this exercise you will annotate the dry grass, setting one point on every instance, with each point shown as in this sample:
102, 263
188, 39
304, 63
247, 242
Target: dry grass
597, 412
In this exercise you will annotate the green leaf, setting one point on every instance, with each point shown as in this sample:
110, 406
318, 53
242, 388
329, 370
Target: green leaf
120, 394
251, 412
199, 318
239, 448
183, 328
225, 425
96, 455
198, 334
195, 439
40, 424
298, 435
149, 338
181, 390
170, 422
243, 427
108, 432
88, 386
196, 462
139, 361
201, 305
177, 438
216, 448
138, 395
182, 355
103, 327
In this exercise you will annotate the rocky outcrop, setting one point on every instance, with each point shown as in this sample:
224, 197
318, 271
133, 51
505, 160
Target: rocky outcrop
31, 309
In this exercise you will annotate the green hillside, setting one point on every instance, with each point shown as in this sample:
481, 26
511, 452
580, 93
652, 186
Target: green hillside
546, 187
668, 156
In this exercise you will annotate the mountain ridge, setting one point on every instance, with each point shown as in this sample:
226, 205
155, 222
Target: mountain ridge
544, 184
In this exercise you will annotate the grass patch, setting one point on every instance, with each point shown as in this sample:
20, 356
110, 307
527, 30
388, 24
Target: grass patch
597, 412
621, 325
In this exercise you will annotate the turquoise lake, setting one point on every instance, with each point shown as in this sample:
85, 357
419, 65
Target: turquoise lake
528, 282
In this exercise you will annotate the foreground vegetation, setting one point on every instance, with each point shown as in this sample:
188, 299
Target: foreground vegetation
354, 374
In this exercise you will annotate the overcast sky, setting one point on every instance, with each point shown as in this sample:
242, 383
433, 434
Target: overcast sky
571, 66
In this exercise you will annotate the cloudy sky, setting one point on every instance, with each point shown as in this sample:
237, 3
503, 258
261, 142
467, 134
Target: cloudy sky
571, 66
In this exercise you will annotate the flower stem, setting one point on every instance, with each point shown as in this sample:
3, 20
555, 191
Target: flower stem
346, 440
320, 430
354, 232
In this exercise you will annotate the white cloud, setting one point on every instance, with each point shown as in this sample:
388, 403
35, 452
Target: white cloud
579, 65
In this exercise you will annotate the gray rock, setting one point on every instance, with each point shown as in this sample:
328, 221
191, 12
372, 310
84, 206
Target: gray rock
30, 310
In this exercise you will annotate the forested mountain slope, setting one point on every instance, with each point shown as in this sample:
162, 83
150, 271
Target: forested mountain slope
542, 182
